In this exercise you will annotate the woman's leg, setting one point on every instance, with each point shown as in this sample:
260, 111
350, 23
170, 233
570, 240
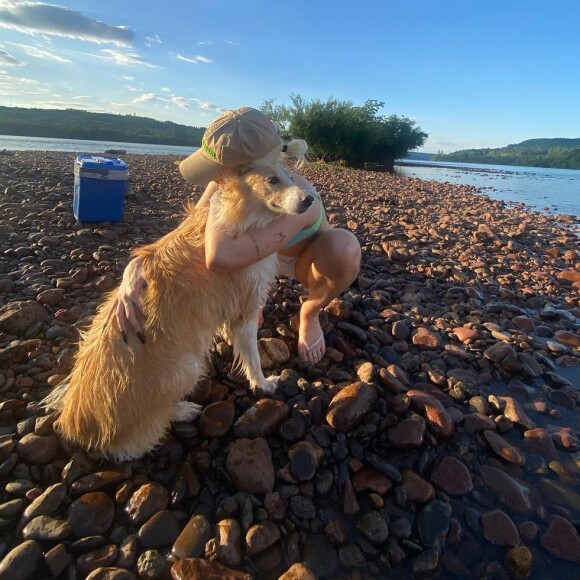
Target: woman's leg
327, 267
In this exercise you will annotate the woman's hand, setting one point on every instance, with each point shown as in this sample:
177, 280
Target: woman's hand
127, 309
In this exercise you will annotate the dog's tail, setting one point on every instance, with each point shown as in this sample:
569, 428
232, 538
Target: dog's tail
296, 149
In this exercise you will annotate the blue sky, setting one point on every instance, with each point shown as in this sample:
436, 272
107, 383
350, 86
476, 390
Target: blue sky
471, 73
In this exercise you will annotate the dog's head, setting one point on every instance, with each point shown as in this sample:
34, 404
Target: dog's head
268, 189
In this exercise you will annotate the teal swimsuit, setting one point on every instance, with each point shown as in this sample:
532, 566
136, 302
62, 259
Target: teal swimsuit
307, 232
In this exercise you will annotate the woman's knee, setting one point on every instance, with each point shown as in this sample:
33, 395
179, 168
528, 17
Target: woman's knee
344, 246
340, 251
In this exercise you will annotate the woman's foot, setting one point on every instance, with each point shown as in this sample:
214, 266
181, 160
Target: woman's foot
311, 345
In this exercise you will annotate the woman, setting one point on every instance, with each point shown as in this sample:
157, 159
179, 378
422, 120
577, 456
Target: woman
325, 260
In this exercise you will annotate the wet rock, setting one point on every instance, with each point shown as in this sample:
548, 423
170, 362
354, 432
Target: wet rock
161, 529
539, 441
368, 479
350, 405
298, 571
519, 562
261, 536
101, 558
561, 539
475, 422
499, 529
426, 339
111, 573
46, 503
151, 565
452, 476
560, 494
37, 450
192, 568
228, 545
373, 527
46, 528
503, 449
515, 413
320, 556
91, 515
57, 559
438, 420
273, 352
249, 464
513, 494
216, 419
262, 419
407, 434
21, 562
416, 488
434, 521
192, 539
147, 500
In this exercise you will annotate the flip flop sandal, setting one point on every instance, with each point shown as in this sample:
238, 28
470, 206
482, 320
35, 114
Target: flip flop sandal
311, 347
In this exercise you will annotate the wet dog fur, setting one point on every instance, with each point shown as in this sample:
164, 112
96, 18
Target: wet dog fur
120, 398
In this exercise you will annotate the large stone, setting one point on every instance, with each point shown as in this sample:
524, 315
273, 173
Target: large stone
91, 514
161, 529
350, 405
147, 500
36, 449
561, 539
262, 536
191, 541
499, 529
514, 495
416, 488
249, 464
216, 419
503, 449
200, 569
17, 317
452, 476
407, 434
21, 562
438, 420
262, 419
273, 352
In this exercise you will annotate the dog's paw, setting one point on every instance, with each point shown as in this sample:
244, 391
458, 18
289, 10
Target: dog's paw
186, 411
269, 386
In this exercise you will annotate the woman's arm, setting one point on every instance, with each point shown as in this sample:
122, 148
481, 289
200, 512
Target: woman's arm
211, 188
226, 253
127, 305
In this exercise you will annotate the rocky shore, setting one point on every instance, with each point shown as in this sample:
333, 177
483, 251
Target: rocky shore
437, 438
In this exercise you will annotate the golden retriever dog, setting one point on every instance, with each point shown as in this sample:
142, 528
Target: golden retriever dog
120, 398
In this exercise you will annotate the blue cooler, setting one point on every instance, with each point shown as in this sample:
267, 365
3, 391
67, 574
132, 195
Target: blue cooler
100, 184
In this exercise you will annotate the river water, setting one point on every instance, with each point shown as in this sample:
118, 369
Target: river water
554, 190
540, 188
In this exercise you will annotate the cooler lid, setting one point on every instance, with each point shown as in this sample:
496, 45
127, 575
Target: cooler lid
98, 162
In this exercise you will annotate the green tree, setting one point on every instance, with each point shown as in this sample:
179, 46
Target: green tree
341, 131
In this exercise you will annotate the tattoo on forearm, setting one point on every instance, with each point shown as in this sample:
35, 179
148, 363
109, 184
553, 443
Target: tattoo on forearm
256, 246
280, 237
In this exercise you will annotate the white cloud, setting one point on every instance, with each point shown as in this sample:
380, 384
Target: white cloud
41, 53
205, 42
181, 102
126, 58
232, 42
193, 59
153, 39
6, 59
147, 98
11, 84
166, 89
81, 97
128, 78
40, 18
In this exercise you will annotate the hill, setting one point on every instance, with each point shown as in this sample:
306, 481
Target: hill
558, 152
76, 124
